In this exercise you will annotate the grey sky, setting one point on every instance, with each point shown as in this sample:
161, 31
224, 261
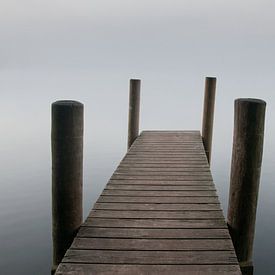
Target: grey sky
138, 34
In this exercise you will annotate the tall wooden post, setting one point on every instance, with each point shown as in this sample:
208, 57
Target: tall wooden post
245, 176
134, 106
67, 167
208, 115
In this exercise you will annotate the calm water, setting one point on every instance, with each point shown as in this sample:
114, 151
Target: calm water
168, 102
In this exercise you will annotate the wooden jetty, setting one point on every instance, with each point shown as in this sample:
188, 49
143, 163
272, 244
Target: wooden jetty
158, 214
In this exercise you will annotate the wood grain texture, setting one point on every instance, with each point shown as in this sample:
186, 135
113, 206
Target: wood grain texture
150, 257
158, 214
170, 200
154, 232
157, 206
156, 223
152, 244
126, 269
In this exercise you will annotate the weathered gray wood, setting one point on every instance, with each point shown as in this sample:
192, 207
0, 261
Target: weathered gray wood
67, 162
204, 225
159, 166
178, 161
156, 199
152, 244
153, 233
159, 188
158, 214
162, 177
157, 206
129, 193
134, 106
170, 215
162, 173
208, 114
165, 152
245, 175
124, 269
162, 182
123, 169
165, 148
165, 156
150, 257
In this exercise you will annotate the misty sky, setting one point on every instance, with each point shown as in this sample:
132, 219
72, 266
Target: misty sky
139, 35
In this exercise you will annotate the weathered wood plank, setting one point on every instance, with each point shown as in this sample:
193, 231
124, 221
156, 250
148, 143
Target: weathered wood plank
159, 193
162, 161
158, 214
187, 157
161, 182
152, 244
169, 215
153, 233
157, 206
170, 200
157, 223
150, 257
123, 169
123, 269
148, 187
164, 150
163, 173
167, 166
191, 153
163, 177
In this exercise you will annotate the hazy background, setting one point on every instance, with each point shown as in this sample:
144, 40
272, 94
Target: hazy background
88, 50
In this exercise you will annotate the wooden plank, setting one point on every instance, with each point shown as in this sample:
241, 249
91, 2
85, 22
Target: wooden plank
153, 233
124, 269
169, 215
159, 187
162, 177
166, 156
157, 206
163, 224
152, 244
162, 182
163, 161
158, 193
163, 173
167, 153
170, 200
122, 169
150, 257
167, 166
166, 150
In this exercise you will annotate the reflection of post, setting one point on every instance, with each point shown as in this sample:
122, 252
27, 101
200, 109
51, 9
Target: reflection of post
67, 167
208, 115
134, 105
245, 177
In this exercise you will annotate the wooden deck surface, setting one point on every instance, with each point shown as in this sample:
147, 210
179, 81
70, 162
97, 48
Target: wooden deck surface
158, 214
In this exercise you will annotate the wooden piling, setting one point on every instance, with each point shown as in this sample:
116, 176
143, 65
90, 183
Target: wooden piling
208, 115
67, 167
134, 106
245, 177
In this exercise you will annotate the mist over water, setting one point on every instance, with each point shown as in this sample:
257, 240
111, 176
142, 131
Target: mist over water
88, 52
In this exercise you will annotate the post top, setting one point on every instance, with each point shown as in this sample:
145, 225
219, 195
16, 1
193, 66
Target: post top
211, 78
67, 103
135, 79
250, 100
